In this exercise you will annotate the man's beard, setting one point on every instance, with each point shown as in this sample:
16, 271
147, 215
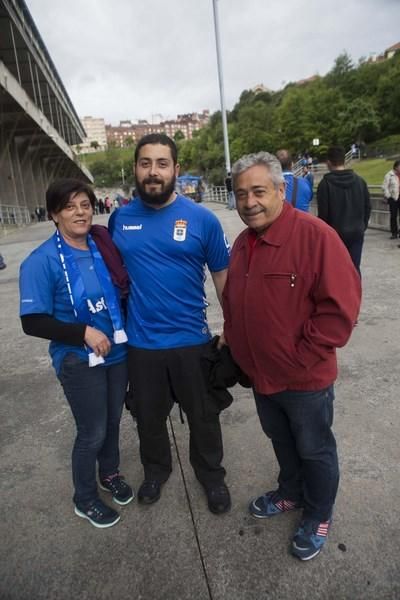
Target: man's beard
156, 198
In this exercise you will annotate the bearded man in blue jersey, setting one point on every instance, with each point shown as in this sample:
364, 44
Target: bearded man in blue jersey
166, 241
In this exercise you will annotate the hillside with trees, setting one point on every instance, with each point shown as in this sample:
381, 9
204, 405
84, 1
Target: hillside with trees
351, 104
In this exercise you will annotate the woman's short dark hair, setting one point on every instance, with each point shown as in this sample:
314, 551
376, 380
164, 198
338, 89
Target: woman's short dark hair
61, 190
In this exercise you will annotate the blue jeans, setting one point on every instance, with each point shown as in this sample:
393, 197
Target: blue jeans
299, 425
96, 397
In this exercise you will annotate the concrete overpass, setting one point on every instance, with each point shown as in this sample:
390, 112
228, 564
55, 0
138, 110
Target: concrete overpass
38, 123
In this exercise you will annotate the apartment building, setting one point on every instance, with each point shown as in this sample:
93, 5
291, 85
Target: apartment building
128, 132
96, 138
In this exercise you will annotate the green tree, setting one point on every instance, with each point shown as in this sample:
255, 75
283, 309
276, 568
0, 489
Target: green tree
387, 99
359, 122
179, 135
343, 65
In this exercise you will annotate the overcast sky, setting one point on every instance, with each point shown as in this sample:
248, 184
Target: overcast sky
130, 59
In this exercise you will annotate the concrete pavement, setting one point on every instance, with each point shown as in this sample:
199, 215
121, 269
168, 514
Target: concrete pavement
176, 549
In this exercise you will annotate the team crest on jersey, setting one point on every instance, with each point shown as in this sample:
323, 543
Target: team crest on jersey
180, 230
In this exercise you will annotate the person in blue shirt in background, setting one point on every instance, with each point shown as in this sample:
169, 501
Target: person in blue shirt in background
297, 190
67, 296
308, 175
166, 240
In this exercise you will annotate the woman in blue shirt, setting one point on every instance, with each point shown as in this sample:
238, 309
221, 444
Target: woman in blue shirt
67, 296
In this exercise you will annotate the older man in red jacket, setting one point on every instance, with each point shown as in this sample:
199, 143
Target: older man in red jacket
292, 297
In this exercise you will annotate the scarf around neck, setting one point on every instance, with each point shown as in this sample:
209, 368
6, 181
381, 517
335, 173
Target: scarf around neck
77, 292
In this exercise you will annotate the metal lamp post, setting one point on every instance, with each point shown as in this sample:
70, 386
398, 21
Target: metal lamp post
221, 89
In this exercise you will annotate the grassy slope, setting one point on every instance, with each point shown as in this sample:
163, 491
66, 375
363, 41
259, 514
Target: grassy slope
373, 170
116, 153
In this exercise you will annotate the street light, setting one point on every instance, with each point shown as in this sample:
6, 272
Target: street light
221, 89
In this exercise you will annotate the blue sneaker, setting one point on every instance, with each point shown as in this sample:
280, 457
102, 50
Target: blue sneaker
122, 493
98, 514
271, 504
310, 538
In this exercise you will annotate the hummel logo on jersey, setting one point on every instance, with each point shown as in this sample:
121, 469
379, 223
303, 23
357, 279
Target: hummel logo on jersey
132, 227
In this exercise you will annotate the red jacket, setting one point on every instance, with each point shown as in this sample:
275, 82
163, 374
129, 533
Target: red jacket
297, 301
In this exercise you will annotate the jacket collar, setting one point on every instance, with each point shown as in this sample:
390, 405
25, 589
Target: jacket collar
279, 231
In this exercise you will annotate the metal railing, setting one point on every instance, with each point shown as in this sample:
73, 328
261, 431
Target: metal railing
216, 193
14, 215
379, 209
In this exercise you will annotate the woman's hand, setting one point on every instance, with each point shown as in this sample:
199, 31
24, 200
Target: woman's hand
98, 341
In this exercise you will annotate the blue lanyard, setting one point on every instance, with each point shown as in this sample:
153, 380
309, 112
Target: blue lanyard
77, 293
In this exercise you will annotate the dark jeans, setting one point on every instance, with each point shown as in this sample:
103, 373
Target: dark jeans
394, 207
96, 397
159, 378
299, 425
354, 247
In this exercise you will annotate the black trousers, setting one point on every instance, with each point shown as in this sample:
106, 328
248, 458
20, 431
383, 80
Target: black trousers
394, 207
159, 378
354, 247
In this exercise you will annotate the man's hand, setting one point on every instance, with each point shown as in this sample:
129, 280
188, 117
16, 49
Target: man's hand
221, 341
98, 341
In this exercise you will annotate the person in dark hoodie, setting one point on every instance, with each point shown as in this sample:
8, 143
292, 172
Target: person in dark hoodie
344, 203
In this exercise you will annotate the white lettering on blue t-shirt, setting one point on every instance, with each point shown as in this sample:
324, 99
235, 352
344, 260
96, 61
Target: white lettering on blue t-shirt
132, 227
98, 307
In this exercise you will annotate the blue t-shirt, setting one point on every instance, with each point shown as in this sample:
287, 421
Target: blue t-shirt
304, 191
165, 251
43, 290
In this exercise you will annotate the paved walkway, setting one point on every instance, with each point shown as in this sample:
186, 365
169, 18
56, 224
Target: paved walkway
176, 549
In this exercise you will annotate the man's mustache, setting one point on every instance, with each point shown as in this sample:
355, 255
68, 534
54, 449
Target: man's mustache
252, 212
150, 180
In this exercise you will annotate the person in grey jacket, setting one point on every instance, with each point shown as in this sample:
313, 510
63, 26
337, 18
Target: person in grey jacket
391, 192
344, 203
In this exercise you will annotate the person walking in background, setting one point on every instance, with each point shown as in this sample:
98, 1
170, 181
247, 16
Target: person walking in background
291, 298
231, 196
298, 191
391, 192
307, 174
344, 203
166, 240
107, 204
67, 296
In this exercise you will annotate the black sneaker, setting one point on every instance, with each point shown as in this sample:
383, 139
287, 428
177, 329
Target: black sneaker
149, 491
98, 514
122, 493
219, 498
